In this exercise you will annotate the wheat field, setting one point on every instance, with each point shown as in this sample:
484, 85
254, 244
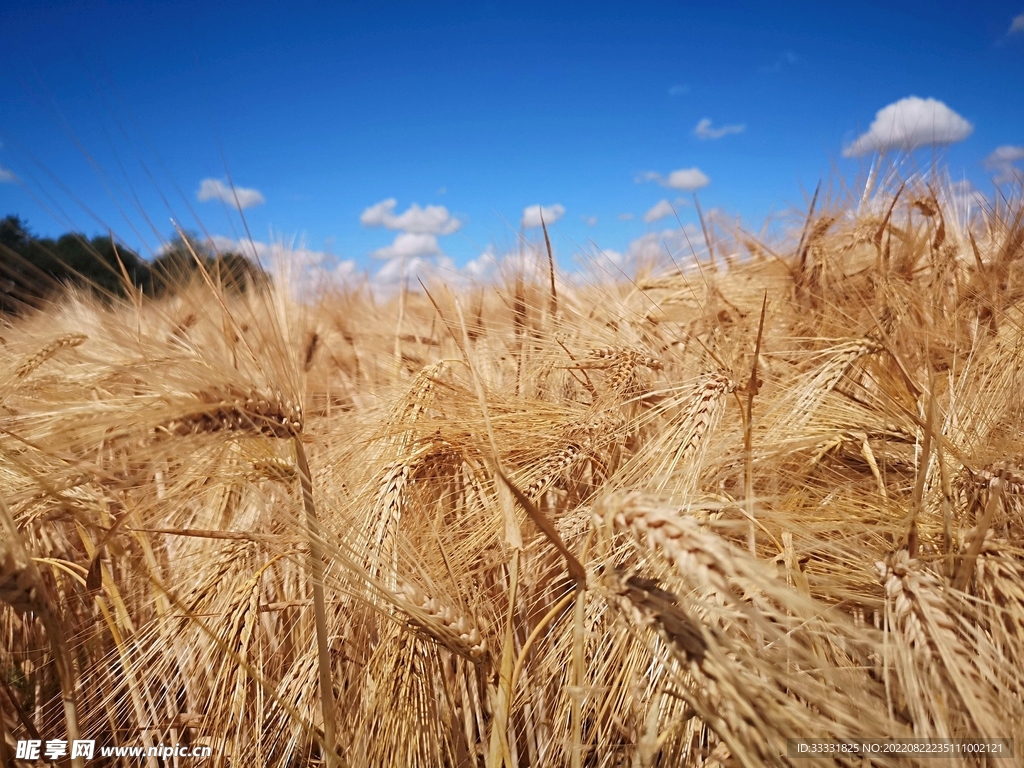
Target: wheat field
669, 519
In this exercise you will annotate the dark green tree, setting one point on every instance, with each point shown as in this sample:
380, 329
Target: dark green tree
180, 261
33, 269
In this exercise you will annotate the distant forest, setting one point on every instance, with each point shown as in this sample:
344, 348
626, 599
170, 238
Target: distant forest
33, 269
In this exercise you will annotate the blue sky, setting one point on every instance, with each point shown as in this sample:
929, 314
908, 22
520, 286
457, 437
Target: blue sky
323, 115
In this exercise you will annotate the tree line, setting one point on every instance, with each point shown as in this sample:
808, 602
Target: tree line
34, 269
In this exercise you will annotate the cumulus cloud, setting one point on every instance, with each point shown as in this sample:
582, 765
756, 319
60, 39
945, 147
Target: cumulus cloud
686, 179
626, 217
483, 265
304, 269
1017, 25
409, 245
1002, 160
681, 243
487, 266
237, 197
7, 176
910, 123
416, 268
705, 131
590, 221
432, 220
598, 261
267, 254
659, 210
963, 197
532, 214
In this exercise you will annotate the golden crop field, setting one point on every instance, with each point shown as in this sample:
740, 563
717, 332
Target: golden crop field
673, 518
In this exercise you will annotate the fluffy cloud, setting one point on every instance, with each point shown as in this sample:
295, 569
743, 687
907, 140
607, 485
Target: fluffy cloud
659, 210
394, 270
432, 220
1002, 160
268, 254
686, 179
237, 197
409, 245
590, 221
705, 131
909, 123
963, 197
302, 269
483, 265
681, 243
532, 214
7, 176
487, 266
1017, 25
601, 261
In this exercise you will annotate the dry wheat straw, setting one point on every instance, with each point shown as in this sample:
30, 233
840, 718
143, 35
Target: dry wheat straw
683, 649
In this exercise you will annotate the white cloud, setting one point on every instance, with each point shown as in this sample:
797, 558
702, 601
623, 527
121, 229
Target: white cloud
910, 123
655, 246
1004, 154
705, 131
686, 179
409, 245
267, 253
532, 214
488, 265
237, 197
416, 268
626, 217
432, 220
659, 210
483, 265
302, 269
590, 221
963, 197
1002, 162
678, 90
1017, 25
7, 176
618, 258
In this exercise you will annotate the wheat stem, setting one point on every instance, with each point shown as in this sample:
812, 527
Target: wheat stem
316, 571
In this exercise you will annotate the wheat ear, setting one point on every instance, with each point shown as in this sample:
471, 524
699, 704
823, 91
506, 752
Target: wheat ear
236, 410
36, 359
22, 587
453, 629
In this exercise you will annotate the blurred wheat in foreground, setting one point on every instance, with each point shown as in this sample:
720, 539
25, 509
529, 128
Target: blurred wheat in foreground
669, 521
